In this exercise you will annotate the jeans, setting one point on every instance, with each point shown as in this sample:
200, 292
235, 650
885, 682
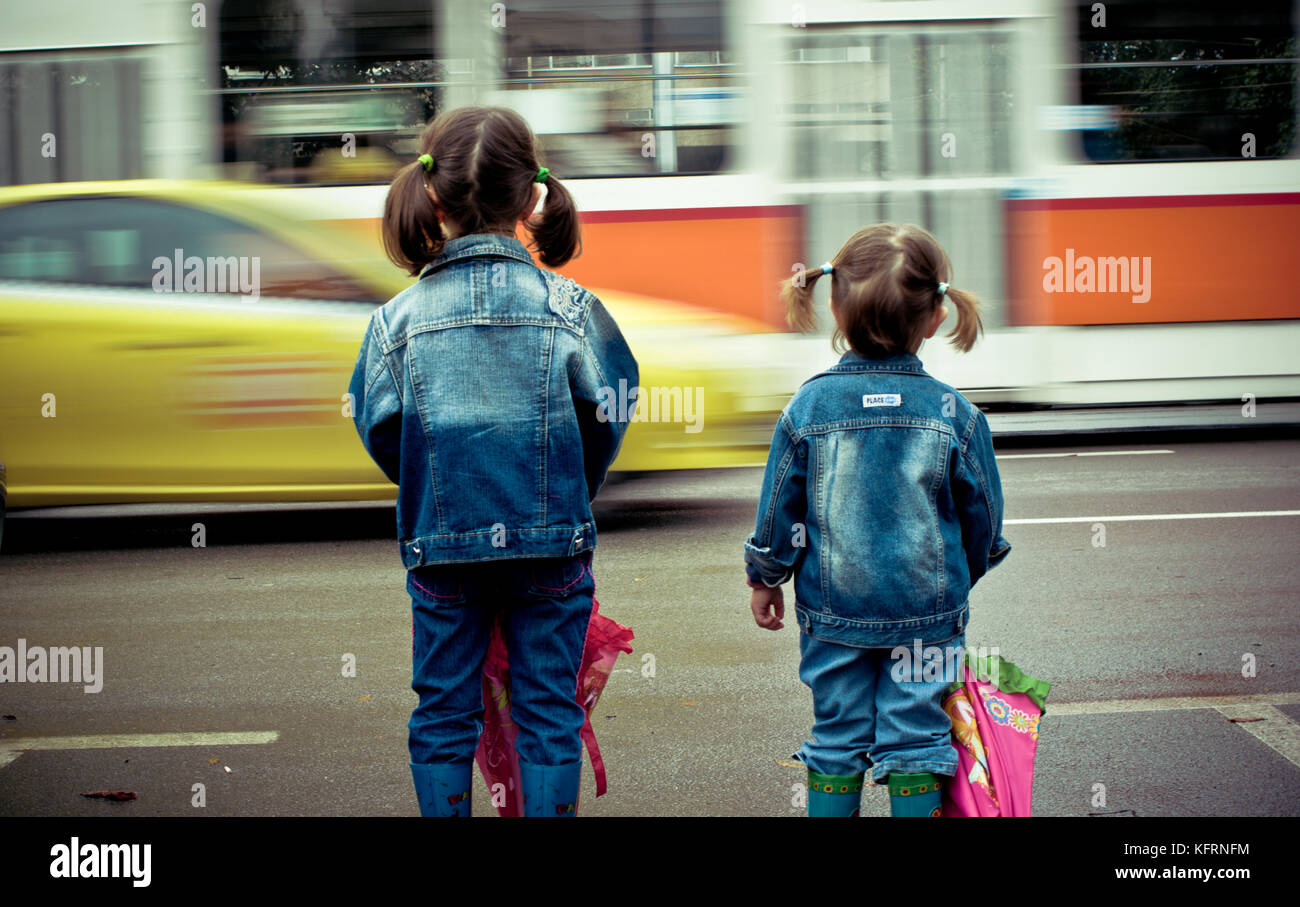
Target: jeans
879, 708
544, 605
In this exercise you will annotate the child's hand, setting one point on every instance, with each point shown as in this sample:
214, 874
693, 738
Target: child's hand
763, 602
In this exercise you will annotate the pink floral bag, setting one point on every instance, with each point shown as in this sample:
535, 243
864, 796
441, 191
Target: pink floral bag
496, 756
995, 729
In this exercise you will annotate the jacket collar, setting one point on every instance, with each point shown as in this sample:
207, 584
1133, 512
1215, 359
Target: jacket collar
853, 362
477, 245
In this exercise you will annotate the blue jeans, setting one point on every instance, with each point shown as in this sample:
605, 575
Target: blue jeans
545, 605
879, 708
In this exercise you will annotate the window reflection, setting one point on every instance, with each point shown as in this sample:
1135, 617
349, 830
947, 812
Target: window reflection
1188, 81
115, 242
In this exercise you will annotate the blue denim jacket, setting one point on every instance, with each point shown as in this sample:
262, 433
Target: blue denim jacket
476, 392
882, 499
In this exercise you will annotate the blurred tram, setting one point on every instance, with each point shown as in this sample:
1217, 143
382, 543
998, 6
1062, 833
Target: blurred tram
1118, 181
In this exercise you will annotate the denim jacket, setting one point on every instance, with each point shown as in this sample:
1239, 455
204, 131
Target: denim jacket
882, 499
477, 392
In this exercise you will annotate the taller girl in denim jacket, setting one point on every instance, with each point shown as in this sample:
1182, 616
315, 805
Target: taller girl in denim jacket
478, 391
882, 500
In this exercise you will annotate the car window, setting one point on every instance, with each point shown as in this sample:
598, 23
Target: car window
147, 244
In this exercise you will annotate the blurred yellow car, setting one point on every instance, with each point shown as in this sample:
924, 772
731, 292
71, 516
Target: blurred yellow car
142, 359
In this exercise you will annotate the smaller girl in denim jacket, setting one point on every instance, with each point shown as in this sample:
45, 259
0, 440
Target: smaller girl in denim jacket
882, 501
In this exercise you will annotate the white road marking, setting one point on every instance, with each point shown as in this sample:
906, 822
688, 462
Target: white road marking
13, 747
1138, 517
1277, 730
1085, 453
1169, 703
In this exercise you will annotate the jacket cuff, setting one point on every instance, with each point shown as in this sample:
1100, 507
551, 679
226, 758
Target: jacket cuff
1001, 548
760, 584
761, 572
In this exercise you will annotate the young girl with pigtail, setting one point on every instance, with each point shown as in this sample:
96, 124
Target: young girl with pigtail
479, 391
882, 501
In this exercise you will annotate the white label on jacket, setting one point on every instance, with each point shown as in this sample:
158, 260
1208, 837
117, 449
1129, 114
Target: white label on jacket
882, 399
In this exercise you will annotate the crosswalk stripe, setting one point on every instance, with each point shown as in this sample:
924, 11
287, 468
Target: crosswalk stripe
1277, 730
1081, 453
1168, 703
13, 747
1138, 517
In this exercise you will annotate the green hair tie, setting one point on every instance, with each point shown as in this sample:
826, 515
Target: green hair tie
541, 176
427, 161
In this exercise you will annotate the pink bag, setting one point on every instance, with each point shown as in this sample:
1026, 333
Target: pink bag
995, 730
497, 759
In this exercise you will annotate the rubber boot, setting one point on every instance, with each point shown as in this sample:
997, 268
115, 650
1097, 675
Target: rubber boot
915, 796
443, 788
550, 790
834, 795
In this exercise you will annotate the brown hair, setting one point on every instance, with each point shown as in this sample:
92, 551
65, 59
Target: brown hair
885, 285
484, 166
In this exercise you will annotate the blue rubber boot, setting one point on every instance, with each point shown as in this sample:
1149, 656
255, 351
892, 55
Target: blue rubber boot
443, 788
834, 795
915, 796
550, 790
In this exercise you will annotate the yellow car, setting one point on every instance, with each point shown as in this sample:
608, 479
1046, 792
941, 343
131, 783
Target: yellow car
186, 341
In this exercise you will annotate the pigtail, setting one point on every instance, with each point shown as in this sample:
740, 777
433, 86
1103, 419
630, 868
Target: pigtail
557, 235
411, 231
969, 326
797, 295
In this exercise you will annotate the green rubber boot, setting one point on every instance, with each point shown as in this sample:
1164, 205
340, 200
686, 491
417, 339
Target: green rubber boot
834, 795
915, 796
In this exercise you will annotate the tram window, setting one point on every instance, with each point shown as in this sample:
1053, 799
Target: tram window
642, 87
85, 111
295, 78
917, 103
631, 87
1187, 80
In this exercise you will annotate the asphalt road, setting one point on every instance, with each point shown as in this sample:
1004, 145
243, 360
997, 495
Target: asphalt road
1141, 639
